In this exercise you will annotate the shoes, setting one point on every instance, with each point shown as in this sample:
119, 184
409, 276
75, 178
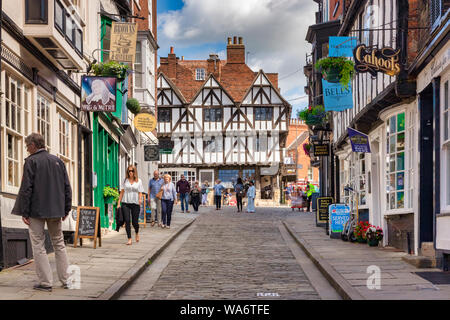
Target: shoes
168, 227
65, 286
129, 243
182, 211
137, 238
153, 223
187, 211
42, 288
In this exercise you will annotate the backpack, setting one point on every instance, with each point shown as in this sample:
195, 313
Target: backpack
240, 190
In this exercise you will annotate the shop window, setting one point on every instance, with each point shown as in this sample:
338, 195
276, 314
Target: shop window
395, 162
248, 174
43, 119
228, 175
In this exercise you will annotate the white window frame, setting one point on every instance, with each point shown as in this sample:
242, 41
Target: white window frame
445, 145
44, 121
200, 74
18, 134
139, 65
410, 150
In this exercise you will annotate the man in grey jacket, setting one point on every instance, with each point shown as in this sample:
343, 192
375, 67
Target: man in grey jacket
45, 196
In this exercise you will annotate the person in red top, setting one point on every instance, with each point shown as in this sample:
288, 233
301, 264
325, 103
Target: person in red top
184, 188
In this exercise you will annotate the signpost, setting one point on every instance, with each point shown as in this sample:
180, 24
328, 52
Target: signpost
151, 153
358, 140
88, 226
339, 215
321, 150
322, 210
123, 41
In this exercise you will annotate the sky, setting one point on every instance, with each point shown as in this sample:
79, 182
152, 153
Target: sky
273, 32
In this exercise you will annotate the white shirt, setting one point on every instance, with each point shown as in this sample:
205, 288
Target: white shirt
131, 191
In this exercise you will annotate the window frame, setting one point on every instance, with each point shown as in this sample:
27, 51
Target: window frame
44, 12
445, 144
200, 74
47, 137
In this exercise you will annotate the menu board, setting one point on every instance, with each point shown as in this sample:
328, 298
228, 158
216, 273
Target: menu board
87, 225
322, 209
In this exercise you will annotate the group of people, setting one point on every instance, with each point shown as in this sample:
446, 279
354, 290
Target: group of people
241, 191
306, 196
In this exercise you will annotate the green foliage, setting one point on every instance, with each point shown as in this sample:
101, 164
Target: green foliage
111, 192
313, 115
344, 66
111, 68
133, 105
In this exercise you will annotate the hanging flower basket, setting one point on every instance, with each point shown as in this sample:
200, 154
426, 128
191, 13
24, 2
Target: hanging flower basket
336, 69
111, 69
314, 116
307, 148
133, 105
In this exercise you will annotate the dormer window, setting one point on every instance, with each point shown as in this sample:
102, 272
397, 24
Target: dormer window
200, 74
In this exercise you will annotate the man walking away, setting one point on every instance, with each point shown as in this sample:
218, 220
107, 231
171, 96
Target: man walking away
45, 196
240, 192
154, 186
218, 189
183, 188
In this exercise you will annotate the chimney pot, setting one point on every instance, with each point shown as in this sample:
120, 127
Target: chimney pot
240, 40
229, 40
235, 40
171, 50
182, 58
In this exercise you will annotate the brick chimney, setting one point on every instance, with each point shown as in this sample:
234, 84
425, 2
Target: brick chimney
235, 51
214, 65
172, 64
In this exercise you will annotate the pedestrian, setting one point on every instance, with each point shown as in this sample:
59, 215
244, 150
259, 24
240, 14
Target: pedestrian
239, 189
130, 200
45, 196
251, 194
169, 198
154, 186
205, 191
309, 191
183, 188
218, 189
195, 196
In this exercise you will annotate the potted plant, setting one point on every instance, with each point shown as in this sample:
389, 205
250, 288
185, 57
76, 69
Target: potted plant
111, 195
374, 235
313, 115
111, 69
336, 69
360, 231
133, 105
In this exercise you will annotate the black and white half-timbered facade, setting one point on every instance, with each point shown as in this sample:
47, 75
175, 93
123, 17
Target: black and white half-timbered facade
214, 136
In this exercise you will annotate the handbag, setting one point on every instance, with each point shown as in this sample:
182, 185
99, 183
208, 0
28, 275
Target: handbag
159, 195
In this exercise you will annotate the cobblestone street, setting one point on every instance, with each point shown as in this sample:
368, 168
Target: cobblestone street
229, 255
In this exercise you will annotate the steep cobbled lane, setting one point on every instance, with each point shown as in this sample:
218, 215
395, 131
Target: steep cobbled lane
230, 255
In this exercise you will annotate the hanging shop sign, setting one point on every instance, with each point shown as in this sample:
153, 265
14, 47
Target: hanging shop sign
358, 140
341, 46
123, 41
145, 122
374, 60
336, 97
322, 209
151, 153
321, 150
98, 93
339, 215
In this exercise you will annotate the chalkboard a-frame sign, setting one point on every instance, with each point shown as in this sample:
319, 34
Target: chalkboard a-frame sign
88, 226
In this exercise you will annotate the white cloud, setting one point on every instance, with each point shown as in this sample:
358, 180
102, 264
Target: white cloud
273, 30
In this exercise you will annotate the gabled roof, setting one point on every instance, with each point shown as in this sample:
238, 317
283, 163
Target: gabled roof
165, 83
262, 80
212, 83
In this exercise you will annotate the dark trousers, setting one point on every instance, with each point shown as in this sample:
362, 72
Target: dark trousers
195, 202
167, 207
239, 202
218, 201
308, 201
131, 209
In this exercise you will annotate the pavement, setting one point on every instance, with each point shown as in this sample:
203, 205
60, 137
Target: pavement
229, 255
345, 265
105, 271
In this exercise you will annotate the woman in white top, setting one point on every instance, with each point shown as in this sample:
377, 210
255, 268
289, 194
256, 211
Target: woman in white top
169, 197
131, 199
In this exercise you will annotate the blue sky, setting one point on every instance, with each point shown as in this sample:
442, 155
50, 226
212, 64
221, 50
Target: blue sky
273, 30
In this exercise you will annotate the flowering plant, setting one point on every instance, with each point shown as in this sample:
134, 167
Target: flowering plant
360, 230
313, 115
374, 233
307, 148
